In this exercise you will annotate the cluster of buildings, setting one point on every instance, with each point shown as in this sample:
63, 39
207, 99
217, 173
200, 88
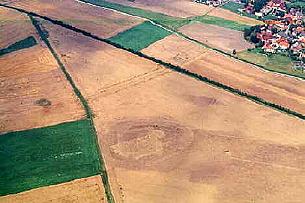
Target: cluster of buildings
285, 34
272, 7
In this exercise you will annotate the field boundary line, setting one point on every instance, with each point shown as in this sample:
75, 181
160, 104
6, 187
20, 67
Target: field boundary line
85, 104
254, 65
178, 69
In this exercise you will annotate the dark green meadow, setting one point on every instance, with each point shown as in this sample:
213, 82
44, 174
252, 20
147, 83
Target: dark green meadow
46, 156
140, 37
22, 44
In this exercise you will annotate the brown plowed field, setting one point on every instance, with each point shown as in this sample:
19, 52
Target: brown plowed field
89, 190
285, 91
181, 8
170, 138
99, 21
14, 27
29, 80
218, 37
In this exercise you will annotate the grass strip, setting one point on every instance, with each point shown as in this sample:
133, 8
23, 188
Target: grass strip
221, 22
22, 44
168, 21
46, 156
273, 62
141, 36
89, 113
162, 19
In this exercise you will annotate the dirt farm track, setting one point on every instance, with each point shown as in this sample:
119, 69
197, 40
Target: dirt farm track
85, 116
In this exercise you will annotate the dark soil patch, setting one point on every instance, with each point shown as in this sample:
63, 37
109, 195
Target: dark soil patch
43, 102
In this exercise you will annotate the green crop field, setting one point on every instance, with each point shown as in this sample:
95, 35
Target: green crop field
140, 37
221, 22
46, 156
22, 44
232, 6
274, 62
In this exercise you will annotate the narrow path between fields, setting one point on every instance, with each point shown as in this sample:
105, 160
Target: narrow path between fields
170, 66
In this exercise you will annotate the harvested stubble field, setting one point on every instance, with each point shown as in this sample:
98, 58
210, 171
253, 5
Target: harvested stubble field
275, 62
285, 91
182, 8
140, 37
190, 9
14, 27
34, 92
166, 137
186, 8
174, 22
46, 156
89, 190
102, 22
95, 61
217, 37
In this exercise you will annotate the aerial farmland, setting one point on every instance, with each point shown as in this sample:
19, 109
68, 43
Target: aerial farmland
120, 101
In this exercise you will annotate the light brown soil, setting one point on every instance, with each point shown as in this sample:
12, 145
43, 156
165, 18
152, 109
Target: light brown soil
95, 61
285, 91
181, 8
26, 77
89, 190
99, 21
229, 15
170, 138
186, 8
218, 37
14, 27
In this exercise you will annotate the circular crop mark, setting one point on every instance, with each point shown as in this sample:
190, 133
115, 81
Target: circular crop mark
148, 142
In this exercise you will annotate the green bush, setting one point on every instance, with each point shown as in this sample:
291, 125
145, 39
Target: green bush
221, 22
22, 44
